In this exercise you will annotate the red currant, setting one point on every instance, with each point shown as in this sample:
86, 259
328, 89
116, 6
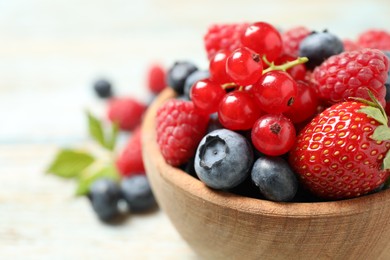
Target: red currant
244, 66
238, 110
206, 95
305, 104
273, 135
275, 92
217, 67
298, 72
264, 39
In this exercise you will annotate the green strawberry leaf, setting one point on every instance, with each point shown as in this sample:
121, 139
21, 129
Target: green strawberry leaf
386, 161
374, 113
95, 128
70, 163
381, 133
94, 173
96, 131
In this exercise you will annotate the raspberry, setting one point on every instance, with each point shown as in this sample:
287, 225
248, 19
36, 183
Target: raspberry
156, 78
349, 74
292, 38
126, 111
180, 127
375, 39
130, 160
223, 37
350, 45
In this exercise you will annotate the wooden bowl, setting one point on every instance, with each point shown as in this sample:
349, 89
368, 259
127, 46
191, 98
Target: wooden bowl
220, 225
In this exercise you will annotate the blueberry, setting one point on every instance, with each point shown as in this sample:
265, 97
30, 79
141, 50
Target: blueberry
178, 74
387, 84
223, 159
103, 88
137, 193
194, 77
319, 46
104, 195
275, 179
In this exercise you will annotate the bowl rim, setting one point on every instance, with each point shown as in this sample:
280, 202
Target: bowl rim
198, 190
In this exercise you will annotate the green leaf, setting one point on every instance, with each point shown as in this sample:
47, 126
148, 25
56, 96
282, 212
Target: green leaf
70, 163
381, 133
111, 139
91, 174
386, 161
374, 113
95, 128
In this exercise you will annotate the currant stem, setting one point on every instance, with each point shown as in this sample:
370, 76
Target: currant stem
285, 66
229, 85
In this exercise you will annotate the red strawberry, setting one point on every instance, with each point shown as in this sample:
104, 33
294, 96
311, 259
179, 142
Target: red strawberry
223, 37
127, 112
130, 160
156, 78
376, 39
349, 74
180, 127
292, 38
340, 154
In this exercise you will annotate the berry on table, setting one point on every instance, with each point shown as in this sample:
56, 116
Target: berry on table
340, 154
137, 192
127, 112
273, 134
238, 110
349, 74
129, 161
223, 159
178, 73
104, 196
274, 178
103, 88
156, 80
180, 127
319, 46
244, 66
264, 39
275, 92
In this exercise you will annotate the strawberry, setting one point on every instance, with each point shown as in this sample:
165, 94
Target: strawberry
342, 152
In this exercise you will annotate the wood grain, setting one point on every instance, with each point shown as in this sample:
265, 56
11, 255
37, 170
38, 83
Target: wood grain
222, 225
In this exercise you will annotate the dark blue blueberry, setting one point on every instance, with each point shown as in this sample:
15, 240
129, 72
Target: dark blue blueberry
275, 179
103, 88
319, 46
223, 159
104, 195
192, 78
178, 74
137, 193
387, 84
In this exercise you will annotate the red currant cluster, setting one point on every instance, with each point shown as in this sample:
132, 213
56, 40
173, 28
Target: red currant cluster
258, 87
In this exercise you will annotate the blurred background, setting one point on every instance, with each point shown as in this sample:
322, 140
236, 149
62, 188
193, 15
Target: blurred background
50, 54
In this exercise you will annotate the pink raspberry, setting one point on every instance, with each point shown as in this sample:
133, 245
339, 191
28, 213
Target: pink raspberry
130, 162
292, 38
375, 39
349, 74
180, 127
156, 78
223, 37
126, 111
350, 45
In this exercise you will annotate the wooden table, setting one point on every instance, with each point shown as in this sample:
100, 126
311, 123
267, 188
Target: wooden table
51, 52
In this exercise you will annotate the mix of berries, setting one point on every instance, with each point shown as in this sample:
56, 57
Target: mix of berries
113, 177
292, 116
